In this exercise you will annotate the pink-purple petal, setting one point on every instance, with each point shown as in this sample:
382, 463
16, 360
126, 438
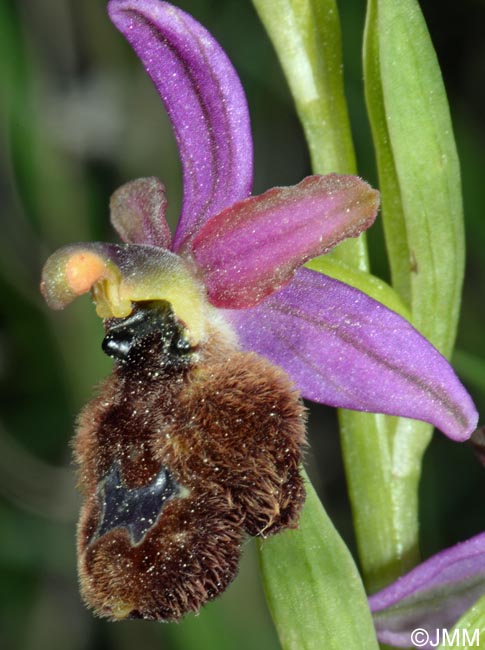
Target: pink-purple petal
344, 349
252, 249
204, 100
432, 596
138, 213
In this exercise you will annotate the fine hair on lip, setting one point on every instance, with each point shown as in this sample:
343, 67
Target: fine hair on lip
224, 427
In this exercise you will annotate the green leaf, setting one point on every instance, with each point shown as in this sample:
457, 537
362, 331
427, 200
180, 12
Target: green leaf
418, 166
469, 632
313, 588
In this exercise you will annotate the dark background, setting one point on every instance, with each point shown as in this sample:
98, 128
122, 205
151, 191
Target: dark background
78, 117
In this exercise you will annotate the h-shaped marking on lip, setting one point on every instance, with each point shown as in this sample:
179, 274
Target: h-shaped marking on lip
136, 509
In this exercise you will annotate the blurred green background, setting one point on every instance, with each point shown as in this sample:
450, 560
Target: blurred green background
78, 117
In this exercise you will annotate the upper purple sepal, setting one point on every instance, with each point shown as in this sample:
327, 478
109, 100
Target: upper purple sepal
204, 100
433, 596
347, 350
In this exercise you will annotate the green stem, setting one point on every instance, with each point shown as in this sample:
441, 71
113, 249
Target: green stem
307, 39
383, 474
306, 35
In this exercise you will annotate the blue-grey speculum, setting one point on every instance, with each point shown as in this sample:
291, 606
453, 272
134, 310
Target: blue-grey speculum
136, 509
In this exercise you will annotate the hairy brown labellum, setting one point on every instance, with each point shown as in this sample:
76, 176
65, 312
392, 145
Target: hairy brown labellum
183, 453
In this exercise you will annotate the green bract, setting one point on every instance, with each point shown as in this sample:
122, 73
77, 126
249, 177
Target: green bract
313, 587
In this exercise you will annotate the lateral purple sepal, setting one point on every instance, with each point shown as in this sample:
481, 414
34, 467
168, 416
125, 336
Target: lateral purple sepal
344, 349
252, 248
204, 100
432, 596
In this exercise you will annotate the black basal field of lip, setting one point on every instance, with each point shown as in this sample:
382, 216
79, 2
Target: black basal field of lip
182, 454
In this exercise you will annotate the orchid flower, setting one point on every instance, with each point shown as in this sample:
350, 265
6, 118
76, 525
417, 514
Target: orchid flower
232, 276
431, 597
244, 255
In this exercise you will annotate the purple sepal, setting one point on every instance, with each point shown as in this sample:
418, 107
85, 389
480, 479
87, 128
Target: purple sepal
345, 349
138, 213
252, 248
204, 100
433, 596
